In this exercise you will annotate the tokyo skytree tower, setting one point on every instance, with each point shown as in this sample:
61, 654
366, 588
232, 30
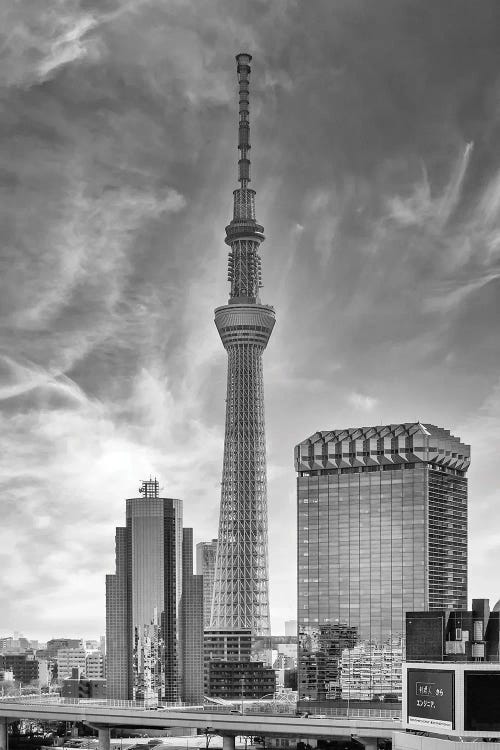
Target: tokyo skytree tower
240, 595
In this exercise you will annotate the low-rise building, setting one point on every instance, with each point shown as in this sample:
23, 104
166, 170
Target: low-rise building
13, 645
69, 659
23, 666
234, 680
44, 672
321, 650
55, 644
79, 686
94, 665
224, 645
371, 671
227, 645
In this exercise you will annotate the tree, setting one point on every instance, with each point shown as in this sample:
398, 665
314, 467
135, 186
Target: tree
10, 687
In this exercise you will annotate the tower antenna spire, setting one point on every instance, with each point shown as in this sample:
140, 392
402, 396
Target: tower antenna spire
243, 234
243, 70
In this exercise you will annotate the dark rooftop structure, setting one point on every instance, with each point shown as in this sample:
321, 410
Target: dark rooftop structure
454, 634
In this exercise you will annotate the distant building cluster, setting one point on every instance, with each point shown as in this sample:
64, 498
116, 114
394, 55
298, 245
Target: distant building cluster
46, 666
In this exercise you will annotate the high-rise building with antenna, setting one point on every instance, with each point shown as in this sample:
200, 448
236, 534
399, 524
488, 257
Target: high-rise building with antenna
141, 600
241, 596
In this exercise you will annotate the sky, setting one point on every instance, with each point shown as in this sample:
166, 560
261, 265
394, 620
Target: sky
375, 131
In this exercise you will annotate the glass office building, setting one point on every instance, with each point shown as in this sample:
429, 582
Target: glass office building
191, 627
382, 530
141, 601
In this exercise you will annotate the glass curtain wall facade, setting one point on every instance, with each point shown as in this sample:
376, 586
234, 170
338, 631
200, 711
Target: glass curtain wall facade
382, 530
141, 601
151, 559
191, 626
118, 662
447, 526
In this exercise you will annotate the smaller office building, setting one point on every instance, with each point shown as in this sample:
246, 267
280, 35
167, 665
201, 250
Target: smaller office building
240, 680
229, 670
227, 645
95, 665
23, 666
78, 686
69, 659
55, 644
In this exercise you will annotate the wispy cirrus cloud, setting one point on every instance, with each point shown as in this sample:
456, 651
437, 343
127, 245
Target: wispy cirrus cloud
41, 37
421, 209
362, 401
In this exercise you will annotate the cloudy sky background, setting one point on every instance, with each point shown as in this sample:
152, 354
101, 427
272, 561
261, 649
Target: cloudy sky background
376, 159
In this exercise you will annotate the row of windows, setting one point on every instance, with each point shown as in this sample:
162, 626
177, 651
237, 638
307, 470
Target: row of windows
310, 456
327, 527
397, 572
395, 551
244, 328
355, 545
364, 482
407, 499
352, 454
378, 467
344, 528
360, 542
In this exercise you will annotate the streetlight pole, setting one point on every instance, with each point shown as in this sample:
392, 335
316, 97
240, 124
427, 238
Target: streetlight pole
208, 736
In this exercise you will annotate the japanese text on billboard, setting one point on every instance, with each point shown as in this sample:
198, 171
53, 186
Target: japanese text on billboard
430, 698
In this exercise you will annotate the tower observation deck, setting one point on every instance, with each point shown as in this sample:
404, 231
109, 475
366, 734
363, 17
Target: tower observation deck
240, 596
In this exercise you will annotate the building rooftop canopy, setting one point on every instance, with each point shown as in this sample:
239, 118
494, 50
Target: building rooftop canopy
396, 443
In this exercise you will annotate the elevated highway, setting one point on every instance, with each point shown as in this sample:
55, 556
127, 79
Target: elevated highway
104, 714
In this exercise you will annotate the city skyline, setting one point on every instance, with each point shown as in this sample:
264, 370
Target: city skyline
378, 179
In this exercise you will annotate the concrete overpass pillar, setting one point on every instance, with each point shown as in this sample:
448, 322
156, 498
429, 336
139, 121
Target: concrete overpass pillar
228, 742
4, 741
104, 738
370, 743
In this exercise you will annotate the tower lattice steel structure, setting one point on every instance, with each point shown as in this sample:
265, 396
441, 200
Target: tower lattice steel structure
240, 596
